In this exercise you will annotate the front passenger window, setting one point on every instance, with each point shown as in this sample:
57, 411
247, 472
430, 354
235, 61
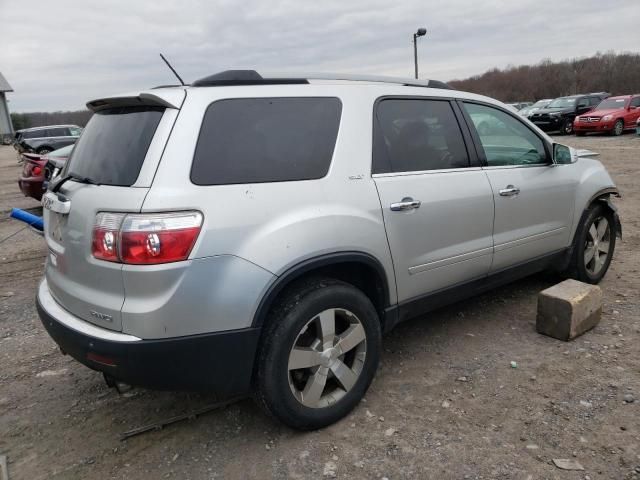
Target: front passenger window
505, 140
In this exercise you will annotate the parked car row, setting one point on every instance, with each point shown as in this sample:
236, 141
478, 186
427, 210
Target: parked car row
584, 113
42, 140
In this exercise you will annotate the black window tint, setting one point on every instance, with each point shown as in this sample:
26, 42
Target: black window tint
114, 143
35, 134
505, 139
255, 140
413, 135
57, 132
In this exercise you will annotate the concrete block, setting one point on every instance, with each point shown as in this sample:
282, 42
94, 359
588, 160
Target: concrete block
568, 309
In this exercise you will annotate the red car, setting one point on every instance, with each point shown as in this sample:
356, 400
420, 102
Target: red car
613, 115
32, 181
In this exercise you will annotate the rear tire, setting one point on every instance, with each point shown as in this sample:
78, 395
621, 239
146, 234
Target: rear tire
618, 128
594, 244
303, 378
567, 127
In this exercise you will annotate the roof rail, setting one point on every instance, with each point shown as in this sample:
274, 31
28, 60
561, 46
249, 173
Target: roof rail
251, 77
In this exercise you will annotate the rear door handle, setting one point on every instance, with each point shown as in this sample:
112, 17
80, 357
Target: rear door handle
407, 203
510, 191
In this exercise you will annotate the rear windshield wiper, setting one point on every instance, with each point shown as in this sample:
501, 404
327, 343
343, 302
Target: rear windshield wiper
72, 176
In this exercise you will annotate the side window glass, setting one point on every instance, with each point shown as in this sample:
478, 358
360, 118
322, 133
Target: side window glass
413, 135
635, 102
583, 102
505, 140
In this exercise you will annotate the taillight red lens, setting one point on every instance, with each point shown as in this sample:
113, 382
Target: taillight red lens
106, 229
36, 171
145, 239
157, 247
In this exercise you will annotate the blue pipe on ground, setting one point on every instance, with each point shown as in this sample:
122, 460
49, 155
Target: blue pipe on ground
26, 217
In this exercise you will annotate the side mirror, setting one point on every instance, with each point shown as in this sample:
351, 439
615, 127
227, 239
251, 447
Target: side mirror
561, 154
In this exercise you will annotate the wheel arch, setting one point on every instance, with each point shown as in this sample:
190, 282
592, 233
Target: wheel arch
357, 268
604, 195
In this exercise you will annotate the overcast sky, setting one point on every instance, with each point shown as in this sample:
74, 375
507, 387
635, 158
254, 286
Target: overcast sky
82, 49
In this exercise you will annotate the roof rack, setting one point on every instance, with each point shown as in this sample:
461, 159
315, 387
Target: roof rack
251, 77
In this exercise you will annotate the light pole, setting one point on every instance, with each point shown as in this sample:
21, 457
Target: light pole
420, 33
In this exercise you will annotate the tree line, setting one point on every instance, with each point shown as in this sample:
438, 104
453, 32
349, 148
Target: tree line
40, 119
617, 74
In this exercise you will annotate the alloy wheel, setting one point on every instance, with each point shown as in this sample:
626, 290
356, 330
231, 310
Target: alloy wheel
568, 127
327, 358
597, 246
619, 128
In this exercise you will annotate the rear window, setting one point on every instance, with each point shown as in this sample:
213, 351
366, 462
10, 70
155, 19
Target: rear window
256, 140
114, 143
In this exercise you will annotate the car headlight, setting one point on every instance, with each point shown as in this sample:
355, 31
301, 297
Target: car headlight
606, 118
555, 114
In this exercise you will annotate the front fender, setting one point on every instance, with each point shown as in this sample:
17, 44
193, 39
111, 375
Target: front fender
594, 184
614, 210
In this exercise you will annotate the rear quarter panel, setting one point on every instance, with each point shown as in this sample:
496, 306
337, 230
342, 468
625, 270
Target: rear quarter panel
277, 225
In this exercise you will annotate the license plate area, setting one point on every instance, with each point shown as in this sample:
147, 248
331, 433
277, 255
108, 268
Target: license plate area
56, 202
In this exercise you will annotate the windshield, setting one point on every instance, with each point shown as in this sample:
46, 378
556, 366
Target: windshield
611, 103
541, 103
113, 145
562, 103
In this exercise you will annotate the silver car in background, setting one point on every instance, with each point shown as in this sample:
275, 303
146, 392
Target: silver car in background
256, 233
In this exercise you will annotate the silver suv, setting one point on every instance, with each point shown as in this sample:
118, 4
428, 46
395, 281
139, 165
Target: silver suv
252, 233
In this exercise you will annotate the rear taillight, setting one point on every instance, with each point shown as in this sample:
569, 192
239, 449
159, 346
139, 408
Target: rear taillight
144, 239
36, 171
106, 231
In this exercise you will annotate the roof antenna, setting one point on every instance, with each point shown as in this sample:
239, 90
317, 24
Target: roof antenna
172, 69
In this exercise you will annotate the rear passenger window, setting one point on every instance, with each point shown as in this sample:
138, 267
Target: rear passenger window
635, 102
35, 134
413, 135
256, 140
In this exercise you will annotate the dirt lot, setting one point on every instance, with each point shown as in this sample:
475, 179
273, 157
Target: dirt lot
445, 404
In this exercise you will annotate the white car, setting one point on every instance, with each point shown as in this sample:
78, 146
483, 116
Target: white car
254, 233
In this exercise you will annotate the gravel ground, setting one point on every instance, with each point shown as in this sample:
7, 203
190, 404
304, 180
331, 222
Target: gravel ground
446, 402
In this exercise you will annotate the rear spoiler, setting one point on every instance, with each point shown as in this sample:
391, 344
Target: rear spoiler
143, 99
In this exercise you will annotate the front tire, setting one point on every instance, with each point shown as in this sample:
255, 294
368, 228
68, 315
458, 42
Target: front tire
319, 353
567, 127
594, 245
618, 128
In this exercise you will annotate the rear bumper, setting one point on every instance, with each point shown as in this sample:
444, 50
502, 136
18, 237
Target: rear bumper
31, 187
220, 362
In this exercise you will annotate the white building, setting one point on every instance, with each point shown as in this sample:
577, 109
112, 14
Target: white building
6, 127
